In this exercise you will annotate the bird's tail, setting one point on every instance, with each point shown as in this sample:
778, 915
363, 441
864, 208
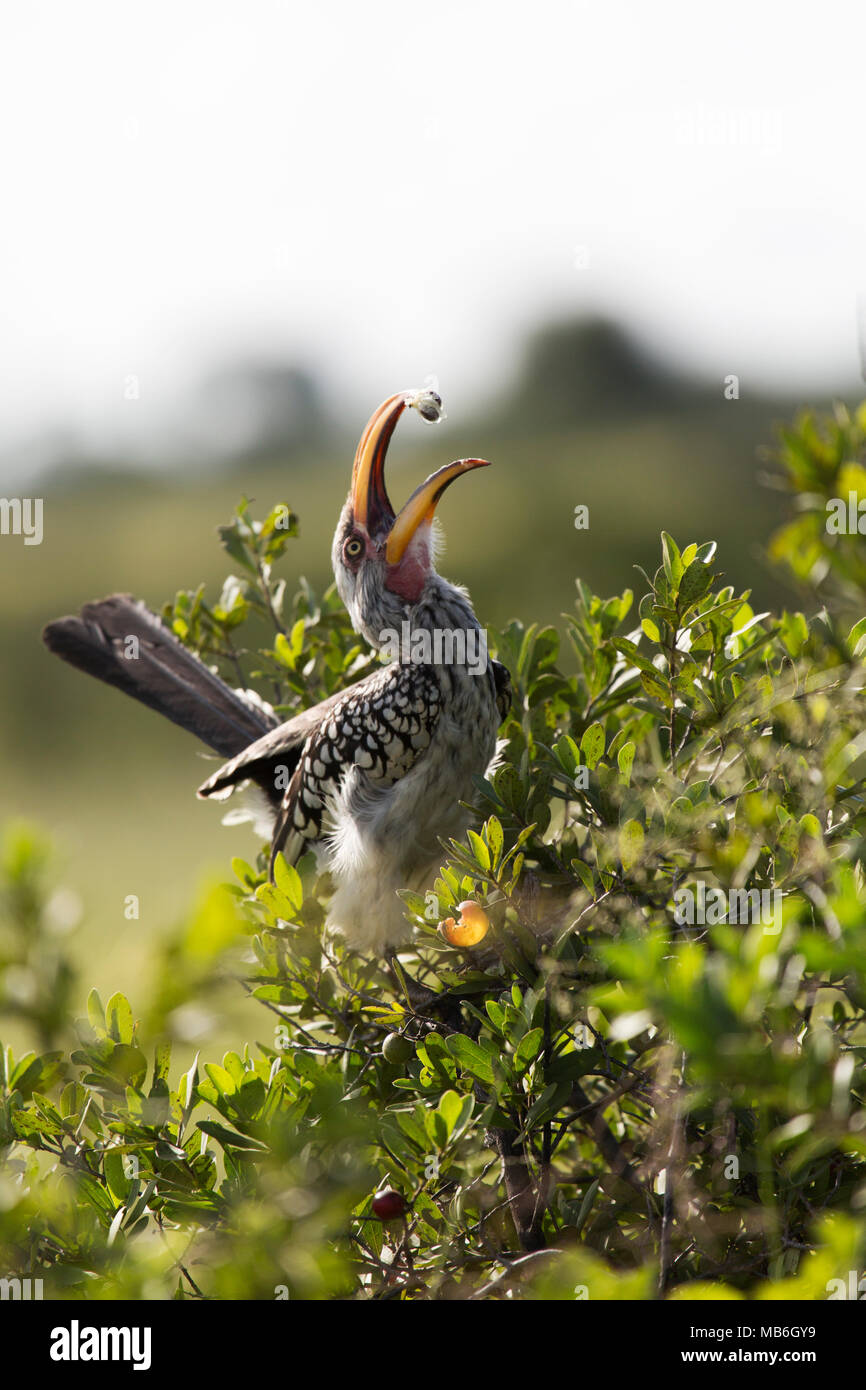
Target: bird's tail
121, 642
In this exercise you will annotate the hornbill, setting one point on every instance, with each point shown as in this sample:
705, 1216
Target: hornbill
375, 774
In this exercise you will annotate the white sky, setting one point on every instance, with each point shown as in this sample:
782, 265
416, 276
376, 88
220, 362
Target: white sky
393, 192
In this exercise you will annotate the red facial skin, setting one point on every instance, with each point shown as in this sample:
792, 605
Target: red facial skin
406, 579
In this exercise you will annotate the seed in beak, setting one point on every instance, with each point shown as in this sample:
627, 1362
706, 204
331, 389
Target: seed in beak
428, 405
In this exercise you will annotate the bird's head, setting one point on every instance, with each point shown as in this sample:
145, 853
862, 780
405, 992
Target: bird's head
383, 561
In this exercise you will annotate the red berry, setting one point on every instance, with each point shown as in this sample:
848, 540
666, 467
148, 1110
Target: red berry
389, 1204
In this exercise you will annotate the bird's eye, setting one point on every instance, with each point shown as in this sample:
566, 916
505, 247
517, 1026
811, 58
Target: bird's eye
353, 548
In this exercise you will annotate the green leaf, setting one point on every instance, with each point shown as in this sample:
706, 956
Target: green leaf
655, 686
118, 1017
96, 1014
631, 843
115, 1177
236, 547
455, 1111
584, 873
413, 1127
625, 759
528, 1049
592, 744
128, 1064
695, 582
567, 754
509, 787
243, 871
480, 850
570, 1066
552, 1098
672, 561
161, 1063
288, 881
794, 631
472, 1058
221, 1078
633, 656
434, 1053
495, 840
587, 1204
229, 1138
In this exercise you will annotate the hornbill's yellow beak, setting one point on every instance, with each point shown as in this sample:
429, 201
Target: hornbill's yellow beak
371, 505
422, 505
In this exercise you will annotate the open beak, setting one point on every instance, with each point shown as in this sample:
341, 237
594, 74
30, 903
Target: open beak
422, 504
371, 505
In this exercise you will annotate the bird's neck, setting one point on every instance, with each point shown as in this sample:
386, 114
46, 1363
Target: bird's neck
439, 629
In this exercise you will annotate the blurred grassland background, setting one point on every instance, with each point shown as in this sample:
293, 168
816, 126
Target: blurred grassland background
586, 419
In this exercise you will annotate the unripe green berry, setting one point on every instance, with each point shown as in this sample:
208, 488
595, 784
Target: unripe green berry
397, 1049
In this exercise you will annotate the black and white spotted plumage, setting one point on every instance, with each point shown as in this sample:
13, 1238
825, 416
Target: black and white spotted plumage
381, 728
375, 776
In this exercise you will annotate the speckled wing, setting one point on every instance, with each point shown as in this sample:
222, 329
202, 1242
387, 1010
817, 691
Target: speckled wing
381, 727
271, 759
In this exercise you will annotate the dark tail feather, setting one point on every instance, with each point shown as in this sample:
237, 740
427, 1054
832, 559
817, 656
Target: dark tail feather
163, 674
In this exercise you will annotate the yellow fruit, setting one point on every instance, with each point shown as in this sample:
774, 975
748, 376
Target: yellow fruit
473, 926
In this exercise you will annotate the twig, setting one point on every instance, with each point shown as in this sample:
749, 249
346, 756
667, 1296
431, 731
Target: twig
668, 1205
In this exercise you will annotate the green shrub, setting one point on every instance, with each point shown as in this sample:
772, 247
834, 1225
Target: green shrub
624, 1088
